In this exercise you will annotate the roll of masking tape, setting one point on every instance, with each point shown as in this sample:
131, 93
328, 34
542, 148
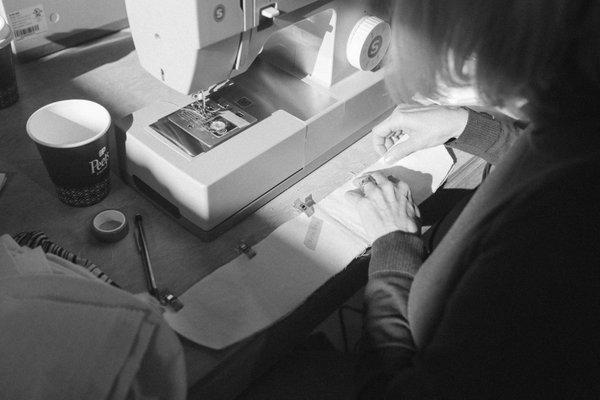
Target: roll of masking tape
110, 226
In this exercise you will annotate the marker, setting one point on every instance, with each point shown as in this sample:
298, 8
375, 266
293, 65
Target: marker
165, 297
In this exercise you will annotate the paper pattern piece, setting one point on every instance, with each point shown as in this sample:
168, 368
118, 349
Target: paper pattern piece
246, 295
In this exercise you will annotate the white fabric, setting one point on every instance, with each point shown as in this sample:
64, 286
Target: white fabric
247, 295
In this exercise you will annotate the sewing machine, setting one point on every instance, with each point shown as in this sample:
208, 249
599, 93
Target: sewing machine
280, 88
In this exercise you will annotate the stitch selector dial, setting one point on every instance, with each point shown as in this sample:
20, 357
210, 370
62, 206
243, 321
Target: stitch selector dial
368, 43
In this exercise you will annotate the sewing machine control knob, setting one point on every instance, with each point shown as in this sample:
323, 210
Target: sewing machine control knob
368, 43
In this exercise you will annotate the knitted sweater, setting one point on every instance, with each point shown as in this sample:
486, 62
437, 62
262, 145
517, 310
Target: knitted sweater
508, 304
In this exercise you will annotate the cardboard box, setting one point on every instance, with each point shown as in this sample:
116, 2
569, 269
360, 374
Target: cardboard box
44, 26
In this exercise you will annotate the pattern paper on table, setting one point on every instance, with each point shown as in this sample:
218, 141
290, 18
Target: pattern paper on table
246, 295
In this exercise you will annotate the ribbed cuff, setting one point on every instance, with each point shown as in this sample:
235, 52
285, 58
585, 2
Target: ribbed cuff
480, 133
397, 251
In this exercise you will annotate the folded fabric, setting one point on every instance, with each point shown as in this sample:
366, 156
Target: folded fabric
67, 335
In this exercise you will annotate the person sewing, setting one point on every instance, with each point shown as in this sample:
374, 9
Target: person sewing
507, 305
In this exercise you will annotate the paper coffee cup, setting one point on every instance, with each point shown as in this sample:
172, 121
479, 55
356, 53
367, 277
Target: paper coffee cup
72, 138
8, 80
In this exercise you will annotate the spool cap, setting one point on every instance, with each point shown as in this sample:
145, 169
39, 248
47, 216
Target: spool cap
110, 226
368, 42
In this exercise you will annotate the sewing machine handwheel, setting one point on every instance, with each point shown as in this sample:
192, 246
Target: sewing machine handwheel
368, 43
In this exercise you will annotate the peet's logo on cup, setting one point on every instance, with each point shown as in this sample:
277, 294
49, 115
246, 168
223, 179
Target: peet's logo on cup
99, 164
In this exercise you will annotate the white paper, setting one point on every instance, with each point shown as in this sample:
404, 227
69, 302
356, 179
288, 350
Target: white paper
247, 295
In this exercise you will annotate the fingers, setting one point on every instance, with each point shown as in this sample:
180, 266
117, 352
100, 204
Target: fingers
380, 188
382, 133
386, 186
401, 150
384, 206
374, 192
382, 143
391, 142
374, 181
424, 127
373, 187
380, 179
407, 204
354, 196
402, 190
402, 119
377, 179
365, 183
415, 209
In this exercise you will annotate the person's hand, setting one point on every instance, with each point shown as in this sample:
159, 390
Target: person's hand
384, 206
410, 129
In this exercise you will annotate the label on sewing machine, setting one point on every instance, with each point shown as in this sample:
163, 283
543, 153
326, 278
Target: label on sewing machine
199, 127
28, 22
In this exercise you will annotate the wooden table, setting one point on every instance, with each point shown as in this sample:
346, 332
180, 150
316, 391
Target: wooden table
107, 71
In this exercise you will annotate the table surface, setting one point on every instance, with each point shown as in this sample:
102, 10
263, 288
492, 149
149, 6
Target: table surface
107, 71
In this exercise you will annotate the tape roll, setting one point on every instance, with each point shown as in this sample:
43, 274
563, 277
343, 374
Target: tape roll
110, 226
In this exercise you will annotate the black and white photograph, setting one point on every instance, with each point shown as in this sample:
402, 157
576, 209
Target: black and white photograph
299, 199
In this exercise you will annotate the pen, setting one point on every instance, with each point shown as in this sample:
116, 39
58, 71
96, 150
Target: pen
165, 297
143, 249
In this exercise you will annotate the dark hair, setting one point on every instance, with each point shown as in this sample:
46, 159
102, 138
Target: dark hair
539, 50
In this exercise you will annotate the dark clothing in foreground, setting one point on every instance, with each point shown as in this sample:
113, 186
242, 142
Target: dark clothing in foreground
508, 304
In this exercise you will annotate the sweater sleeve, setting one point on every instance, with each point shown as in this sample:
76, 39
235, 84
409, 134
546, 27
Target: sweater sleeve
522, 321
486, 136
395, 259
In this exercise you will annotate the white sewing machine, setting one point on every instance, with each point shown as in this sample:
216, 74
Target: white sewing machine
298, 89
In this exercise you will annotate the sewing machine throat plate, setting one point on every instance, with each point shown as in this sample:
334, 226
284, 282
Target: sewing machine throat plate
199, 127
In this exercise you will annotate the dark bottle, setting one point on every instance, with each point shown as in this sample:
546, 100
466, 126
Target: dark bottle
9, 93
